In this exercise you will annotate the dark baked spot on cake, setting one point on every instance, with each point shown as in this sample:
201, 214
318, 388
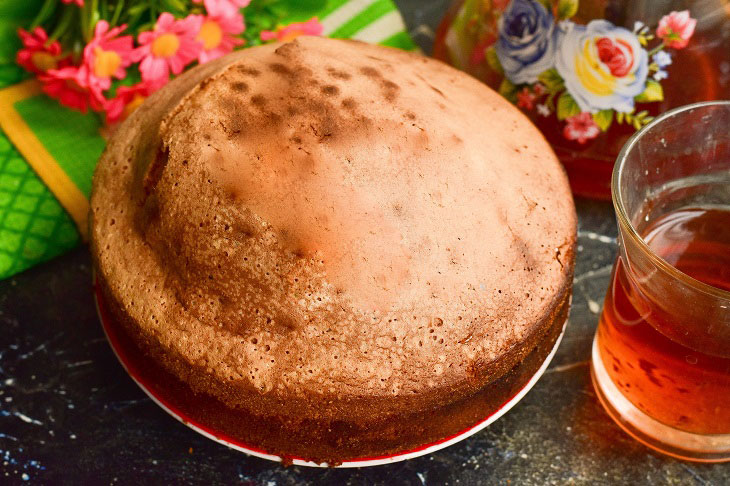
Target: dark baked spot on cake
239, 86
349, 103
258, 100
398, 209
274, 118
370, 72
437, 91
338, 74
330, 90
285, 322
282, 69
287, 49
291, 110
390, 90
249, 71
409, 115
296, 139
457, 138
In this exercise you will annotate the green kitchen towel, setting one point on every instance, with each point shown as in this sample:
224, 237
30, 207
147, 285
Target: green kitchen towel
45, 173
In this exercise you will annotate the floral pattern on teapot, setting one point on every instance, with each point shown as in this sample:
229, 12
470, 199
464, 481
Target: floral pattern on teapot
589, 76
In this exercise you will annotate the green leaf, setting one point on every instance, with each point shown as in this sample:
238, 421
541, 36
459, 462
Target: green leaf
567, 8
137, 9
10, 74
552, 80
490, 54
652, 92
567, 106
603, 119
14, 15
176, 6
303, 8
508, 90
620, 117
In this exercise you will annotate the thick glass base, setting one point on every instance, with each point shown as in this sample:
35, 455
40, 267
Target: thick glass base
660, 437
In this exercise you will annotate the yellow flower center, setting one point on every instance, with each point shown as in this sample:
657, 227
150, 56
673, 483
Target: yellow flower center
165, 45
105, 62
133, 105
43, 61
291, 35
210, 35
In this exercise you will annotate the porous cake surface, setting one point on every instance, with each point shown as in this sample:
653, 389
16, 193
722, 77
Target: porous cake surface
315, 227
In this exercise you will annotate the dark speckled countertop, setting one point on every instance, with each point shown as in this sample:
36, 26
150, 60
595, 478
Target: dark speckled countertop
70, 414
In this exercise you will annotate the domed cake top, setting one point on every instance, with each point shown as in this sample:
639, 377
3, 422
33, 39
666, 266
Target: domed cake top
335, 193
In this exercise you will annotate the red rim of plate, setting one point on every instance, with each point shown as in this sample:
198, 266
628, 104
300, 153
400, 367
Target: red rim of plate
360, 462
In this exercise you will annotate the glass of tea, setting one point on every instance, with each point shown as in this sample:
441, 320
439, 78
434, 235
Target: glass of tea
661, 354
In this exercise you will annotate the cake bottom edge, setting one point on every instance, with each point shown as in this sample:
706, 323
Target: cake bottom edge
318, 441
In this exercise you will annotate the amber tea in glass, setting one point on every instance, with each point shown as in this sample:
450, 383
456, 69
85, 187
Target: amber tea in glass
661, 356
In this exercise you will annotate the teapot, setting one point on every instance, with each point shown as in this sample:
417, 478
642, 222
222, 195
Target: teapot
590, 73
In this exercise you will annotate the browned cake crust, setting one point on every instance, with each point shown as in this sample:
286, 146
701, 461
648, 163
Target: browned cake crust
357, 249
312, 438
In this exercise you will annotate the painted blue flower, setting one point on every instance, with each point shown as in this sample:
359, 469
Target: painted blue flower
662, 59
526, 44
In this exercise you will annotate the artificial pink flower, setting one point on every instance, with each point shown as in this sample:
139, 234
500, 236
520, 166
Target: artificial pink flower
80, 3
68, 85
38, 55
217, 30
170, 47
227, 7
525, 99
581, 128
676, 29
292, 31
107, 55
127, 99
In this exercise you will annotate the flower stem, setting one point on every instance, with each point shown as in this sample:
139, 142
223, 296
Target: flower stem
117, 13
63, 22
89, 17
45, 11
656, 49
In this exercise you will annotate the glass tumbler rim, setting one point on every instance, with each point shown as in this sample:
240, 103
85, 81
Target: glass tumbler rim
622, 214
